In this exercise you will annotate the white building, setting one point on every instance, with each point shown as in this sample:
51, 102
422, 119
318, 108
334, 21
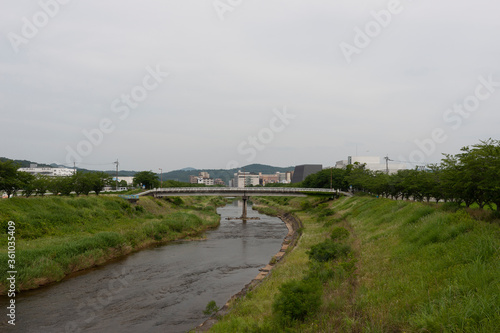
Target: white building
52, 172
129, 180
206, 181
374, 163
244, 179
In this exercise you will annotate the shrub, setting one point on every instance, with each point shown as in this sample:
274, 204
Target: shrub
211, 308
326, 212
339, 233
305, 205
296, 300
328, 250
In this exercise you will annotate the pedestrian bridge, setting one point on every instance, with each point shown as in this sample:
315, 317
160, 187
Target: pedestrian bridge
239, 191
244, 192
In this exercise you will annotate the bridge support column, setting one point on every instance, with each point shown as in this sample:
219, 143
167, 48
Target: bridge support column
244, 214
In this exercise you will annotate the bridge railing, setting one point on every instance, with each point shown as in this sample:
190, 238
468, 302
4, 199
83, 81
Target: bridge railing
249, 190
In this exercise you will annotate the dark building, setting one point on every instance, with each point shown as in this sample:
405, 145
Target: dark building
302, 171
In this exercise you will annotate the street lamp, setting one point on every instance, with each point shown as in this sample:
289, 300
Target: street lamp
161, 177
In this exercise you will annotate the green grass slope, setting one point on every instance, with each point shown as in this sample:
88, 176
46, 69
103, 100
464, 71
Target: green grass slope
412, 267
56, 236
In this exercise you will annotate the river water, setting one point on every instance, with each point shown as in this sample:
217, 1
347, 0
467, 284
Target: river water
162, 289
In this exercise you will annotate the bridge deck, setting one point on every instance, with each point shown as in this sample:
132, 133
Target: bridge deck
238, 191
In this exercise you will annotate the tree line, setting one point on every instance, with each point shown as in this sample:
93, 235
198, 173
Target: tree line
13, 181
470, 177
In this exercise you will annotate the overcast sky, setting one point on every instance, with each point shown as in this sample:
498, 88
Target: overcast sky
215, 84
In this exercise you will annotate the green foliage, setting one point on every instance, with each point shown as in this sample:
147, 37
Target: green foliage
327, 178
339, 233
9, 181
148, 179
297, 300
470, 177
328, 250
175, 200
211, 308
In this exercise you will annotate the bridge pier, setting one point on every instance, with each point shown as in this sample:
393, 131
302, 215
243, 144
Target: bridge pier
244, 214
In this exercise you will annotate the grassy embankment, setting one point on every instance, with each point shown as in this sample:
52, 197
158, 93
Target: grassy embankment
56, 236
417, 268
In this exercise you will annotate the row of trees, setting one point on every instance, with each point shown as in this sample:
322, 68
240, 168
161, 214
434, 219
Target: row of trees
472, 176
13, 181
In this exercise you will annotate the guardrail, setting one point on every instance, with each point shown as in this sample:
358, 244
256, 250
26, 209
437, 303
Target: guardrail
129, 196
235, 190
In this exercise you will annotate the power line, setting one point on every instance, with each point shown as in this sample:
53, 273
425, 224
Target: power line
97, 163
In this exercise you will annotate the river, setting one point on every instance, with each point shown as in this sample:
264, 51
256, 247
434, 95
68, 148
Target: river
162, 289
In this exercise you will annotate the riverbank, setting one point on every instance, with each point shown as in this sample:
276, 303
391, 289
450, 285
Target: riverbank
58, 236
294, 226
409, 267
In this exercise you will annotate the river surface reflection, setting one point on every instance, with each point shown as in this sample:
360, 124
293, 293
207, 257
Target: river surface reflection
162, 289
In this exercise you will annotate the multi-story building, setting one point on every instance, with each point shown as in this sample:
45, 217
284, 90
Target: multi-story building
202, 178
244, 179
218, 181
373, 163
278, 177
302, 171
52, 172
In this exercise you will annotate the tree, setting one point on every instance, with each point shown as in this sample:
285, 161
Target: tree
326, 178
481, 164
42, 184
357, 176
26, 182
99, 180
82, 182
147, 179
8, 178
61, 185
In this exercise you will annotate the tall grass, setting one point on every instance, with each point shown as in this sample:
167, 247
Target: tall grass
56, 236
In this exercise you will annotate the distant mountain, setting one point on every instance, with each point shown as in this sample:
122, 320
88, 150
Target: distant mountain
24, 163
178, 175
224, 174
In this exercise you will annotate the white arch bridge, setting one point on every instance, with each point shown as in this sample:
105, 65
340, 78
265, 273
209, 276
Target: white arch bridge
243, 192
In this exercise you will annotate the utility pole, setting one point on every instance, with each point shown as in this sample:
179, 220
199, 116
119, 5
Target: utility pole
387, 164
74, 167
116, 179
161, 178
331, 178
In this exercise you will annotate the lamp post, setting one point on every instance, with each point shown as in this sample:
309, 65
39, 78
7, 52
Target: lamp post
161, 177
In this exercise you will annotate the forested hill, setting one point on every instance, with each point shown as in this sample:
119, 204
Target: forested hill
225, 175
178, 175
24, 163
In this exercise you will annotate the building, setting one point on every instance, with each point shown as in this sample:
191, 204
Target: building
218, 181
244, 179
277, 178
129, 180
202, 178
374, 163
51, 172
302, 171
206, 181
